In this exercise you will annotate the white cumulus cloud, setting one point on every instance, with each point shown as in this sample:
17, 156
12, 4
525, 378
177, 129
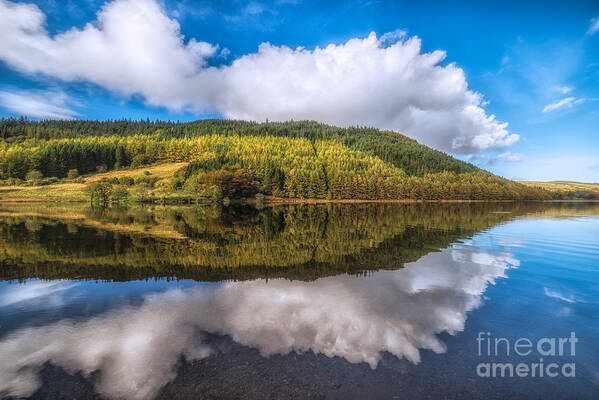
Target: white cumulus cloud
134, 48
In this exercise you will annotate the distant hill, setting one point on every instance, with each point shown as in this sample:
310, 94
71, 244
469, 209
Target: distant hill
302, 159
568, 189
564, 185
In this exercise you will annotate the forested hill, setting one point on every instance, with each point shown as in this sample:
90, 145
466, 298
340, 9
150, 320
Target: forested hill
241, 159
399, 150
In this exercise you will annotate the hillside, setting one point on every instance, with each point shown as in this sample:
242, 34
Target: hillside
397, 149
238, 159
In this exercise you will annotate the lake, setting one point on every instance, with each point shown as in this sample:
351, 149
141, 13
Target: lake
421, 300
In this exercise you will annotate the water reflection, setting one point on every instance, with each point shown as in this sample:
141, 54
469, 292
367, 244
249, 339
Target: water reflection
369, 282
297, 242
39, 293
135, 348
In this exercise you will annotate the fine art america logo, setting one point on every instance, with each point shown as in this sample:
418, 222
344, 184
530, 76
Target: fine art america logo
551, 348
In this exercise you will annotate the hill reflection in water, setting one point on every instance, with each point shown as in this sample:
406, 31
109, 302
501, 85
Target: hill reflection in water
211, 244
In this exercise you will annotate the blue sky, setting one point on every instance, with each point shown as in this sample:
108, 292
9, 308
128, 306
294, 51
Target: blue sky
534, 66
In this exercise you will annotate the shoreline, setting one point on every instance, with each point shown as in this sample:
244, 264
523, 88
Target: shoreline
269, 201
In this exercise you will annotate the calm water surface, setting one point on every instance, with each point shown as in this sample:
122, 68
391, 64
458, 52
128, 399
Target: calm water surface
328, 301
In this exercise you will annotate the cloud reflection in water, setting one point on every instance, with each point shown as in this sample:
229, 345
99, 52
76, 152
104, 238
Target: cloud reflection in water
135, 349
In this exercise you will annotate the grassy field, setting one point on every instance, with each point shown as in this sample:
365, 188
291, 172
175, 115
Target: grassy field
77, 190
564, 185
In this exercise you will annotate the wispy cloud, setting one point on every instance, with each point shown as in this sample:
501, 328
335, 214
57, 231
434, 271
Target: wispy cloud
486, 160
187, 9
556, 295
509, 157
393, 37
563, 89
252, 13
594, 26
46, 104
35, 291
566, 102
